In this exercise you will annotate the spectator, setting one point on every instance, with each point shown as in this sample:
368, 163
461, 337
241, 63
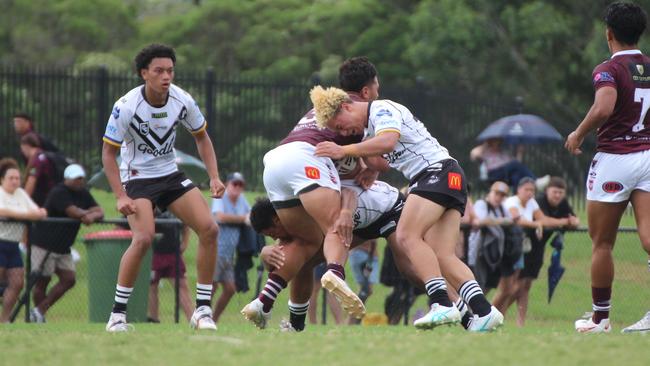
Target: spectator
231, 213
364, 263
14, 204
24, 124
489, 267
468, 221
52, 241
174, 236
501, 165
334, 305
41, 176
553, 203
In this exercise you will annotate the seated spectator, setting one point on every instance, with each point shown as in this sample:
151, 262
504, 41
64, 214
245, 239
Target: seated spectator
52, 241
173, 237
490, 267
41, 173
364, 263
14, 204
501, 165
231, 213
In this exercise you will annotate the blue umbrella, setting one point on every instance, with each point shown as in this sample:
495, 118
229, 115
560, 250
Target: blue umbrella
521, 129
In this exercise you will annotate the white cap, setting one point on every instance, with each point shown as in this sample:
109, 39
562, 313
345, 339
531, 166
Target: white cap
74, 171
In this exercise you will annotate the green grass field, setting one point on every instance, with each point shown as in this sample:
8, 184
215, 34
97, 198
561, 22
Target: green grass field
548, 337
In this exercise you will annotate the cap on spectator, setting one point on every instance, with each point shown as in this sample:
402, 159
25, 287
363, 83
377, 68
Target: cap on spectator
235, 177
500, 187
74, 171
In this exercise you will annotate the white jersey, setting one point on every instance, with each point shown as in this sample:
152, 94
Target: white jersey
146, 134
372, 202
416, 150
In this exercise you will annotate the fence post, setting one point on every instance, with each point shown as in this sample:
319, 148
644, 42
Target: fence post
209, 101
101, 101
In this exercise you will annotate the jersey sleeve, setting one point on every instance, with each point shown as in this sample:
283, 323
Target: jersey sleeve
604, 75
118, 124
193, 119
386, 118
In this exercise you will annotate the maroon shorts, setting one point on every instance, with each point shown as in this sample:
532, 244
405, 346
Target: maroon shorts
164, 266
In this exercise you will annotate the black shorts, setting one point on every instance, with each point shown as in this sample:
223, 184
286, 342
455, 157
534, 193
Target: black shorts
534, 259
443, 183
385, 225
161, 191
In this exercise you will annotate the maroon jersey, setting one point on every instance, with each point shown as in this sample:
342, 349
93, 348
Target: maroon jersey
628, 128
308, 131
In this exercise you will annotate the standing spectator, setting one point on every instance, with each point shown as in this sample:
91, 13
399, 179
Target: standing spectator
231, 213
24, 124
364, 263
490, 214
500, 165
14, 204
554, 204
164, 264
52, 241
41, 176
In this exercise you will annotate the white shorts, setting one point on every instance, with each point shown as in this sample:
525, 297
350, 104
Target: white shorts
613, 177
292, 169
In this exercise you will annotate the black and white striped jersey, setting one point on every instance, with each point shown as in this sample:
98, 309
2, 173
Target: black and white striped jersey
372, 202
416, 149
146, 134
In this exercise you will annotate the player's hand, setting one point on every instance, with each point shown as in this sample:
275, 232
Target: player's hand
573, 143
330, 150
344, 226
217, 188
126, 205
366, 177
272, 257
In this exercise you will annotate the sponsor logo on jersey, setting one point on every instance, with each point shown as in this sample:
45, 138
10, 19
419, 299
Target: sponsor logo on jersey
163, 150
116, 112
312, 172
383, 112
603, 77
593, 163
393, 156
159, 115
183, 114
640, 69
143, 127
590, 185
612, 187
455, 181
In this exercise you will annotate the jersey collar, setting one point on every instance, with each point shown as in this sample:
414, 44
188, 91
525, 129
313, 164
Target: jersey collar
627, 52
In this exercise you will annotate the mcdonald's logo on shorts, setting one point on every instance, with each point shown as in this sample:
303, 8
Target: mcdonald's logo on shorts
312, 172
455, 181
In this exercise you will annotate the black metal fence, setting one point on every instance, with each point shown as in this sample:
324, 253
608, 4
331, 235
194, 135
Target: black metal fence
98, 257
246, 118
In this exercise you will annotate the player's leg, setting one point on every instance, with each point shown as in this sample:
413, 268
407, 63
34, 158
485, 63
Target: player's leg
301, 292
192, 209
442, 237
142, 229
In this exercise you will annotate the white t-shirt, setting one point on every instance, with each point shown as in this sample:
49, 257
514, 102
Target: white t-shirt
372, 202
527, 211
147, 134
416, 150
19, 202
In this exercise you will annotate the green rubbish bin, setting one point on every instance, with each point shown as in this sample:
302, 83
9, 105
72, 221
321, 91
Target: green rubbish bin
104, 251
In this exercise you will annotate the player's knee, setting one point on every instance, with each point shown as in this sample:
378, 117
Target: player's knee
404, 238
209, 230
142, 240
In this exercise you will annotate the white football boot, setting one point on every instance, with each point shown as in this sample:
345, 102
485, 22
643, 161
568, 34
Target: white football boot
642, 326
202, 319
438, 315
588, 326
487, 323
254, 312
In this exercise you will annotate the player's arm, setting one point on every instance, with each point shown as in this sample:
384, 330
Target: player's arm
383, 143
345, 224
125, 205
207, 154
598, 114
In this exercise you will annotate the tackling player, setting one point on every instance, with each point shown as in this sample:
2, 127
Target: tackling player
620, 170
143, 126
429, 226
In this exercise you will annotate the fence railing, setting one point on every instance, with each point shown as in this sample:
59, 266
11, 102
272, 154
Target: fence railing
99, 255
